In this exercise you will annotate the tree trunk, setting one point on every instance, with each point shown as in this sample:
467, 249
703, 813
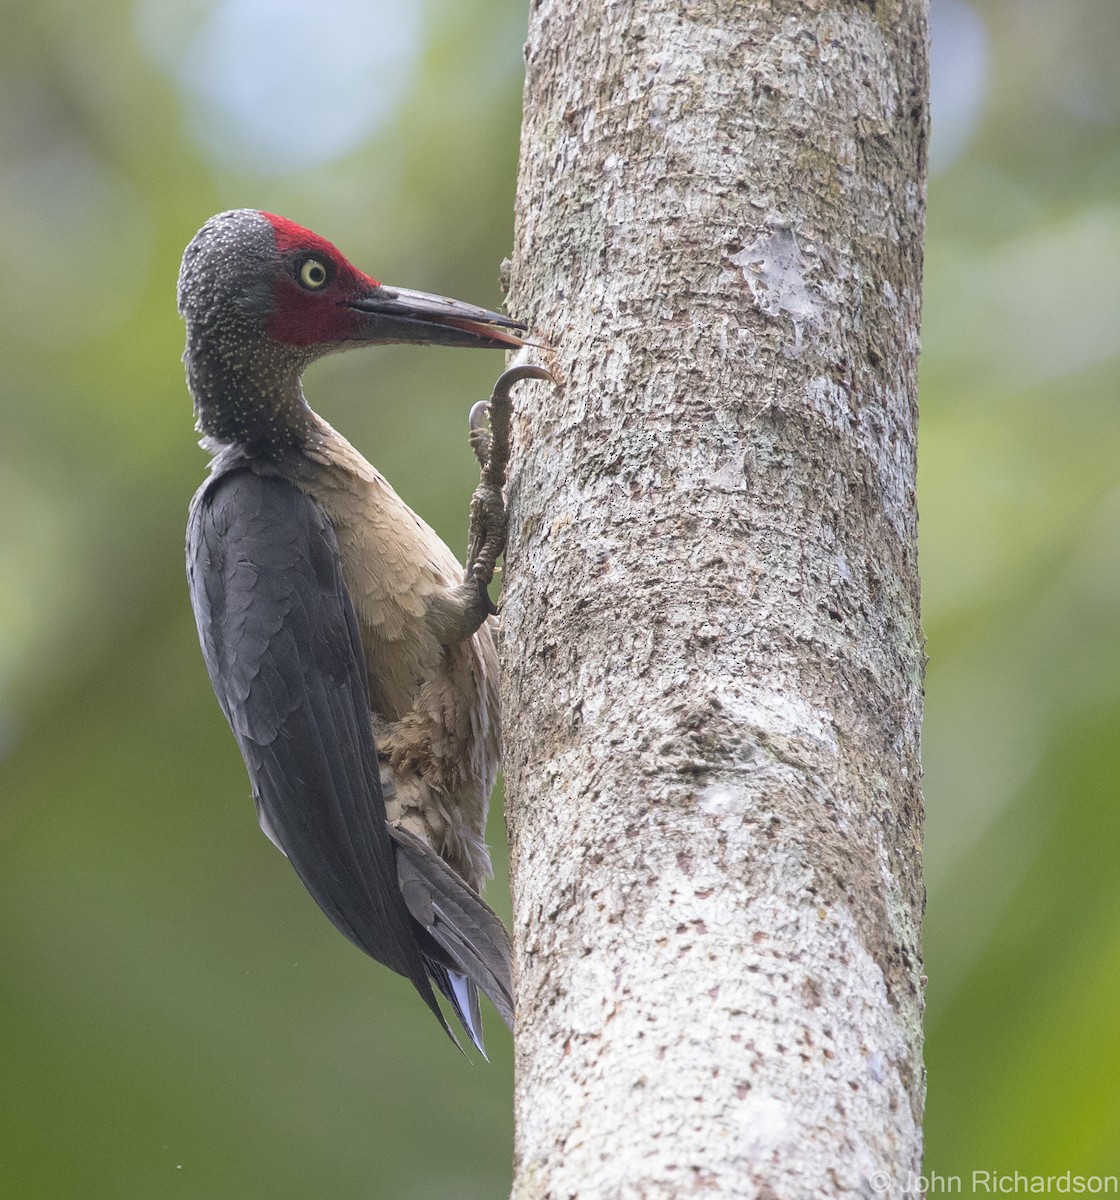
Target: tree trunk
712, 659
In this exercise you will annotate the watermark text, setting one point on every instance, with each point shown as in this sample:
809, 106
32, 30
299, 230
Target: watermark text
994, 1183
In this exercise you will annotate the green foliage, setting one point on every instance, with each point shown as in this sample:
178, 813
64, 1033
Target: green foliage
177, 1017
1020, 545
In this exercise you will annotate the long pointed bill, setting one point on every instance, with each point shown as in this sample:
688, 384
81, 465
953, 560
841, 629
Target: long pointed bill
399, 315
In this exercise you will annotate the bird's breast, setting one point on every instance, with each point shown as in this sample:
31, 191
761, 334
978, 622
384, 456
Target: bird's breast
394, 565
434, 704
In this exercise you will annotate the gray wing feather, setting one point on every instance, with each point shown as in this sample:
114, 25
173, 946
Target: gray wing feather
283, 649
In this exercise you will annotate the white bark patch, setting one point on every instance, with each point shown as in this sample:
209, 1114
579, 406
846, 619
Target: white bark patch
782, 717
767, 1124
719, 801
774, 269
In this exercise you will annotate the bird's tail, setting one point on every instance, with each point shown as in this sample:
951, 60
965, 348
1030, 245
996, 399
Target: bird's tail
467, 948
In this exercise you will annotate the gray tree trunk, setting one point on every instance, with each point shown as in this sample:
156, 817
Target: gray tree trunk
712, 662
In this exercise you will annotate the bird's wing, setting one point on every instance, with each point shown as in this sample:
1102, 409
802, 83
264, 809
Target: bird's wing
282, 645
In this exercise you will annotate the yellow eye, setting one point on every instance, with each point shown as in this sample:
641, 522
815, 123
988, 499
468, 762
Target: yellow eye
313, 274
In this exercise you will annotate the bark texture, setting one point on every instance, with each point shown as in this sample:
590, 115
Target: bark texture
712, 653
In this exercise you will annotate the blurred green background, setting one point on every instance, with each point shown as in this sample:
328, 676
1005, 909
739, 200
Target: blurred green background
176, 1018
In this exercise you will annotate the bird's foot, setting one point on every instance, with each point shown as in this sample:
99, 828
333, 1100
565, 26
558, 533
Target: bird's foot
486, 539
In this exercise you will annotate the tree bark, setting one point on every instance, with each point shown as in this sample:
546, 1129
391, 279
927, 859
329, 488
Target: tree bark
712, 658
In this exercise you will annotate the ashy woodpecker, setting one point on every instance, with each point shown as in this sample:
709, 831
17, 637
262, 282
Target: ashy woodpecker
349, 650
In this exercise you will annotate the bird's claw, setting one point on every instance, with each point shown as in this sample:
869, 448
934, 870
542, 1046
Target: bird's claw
489, 425
480, 437
479, 412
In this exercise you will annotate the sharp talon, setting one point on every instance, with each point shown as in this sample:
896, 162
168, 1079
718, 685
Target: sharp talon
514, 375
479, 413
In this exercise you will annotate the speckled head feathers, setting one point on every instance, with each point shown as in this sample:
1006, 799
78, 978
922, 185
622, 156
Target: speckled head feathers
262, 297
228, 269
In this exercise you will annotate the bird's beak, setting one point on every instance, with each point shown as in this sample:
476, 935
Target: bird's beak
392, 314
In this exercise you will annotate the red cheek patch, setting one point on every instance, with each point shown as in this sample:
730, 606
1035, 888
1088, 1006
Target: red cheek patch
303, 318
306, 318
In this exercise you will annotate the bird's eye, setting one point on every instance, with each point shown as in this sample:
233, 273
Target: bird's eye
313, 274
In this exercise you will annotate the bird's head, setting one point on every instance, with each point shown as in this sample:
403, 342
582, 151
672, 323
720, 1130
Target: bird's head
262, 297
259, 270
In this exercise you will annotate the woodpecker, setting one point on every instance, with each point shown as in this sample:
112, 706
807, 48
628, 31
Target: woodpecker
351, 654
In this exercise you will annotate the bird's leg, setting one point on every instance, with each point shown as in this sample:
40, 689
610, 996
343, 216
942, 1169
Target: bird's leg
487, 537
468, 605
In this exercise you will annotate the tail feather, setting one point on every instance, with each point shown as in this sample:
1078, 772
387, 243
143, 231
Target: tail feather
468, 1008
471, 946
462, 995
